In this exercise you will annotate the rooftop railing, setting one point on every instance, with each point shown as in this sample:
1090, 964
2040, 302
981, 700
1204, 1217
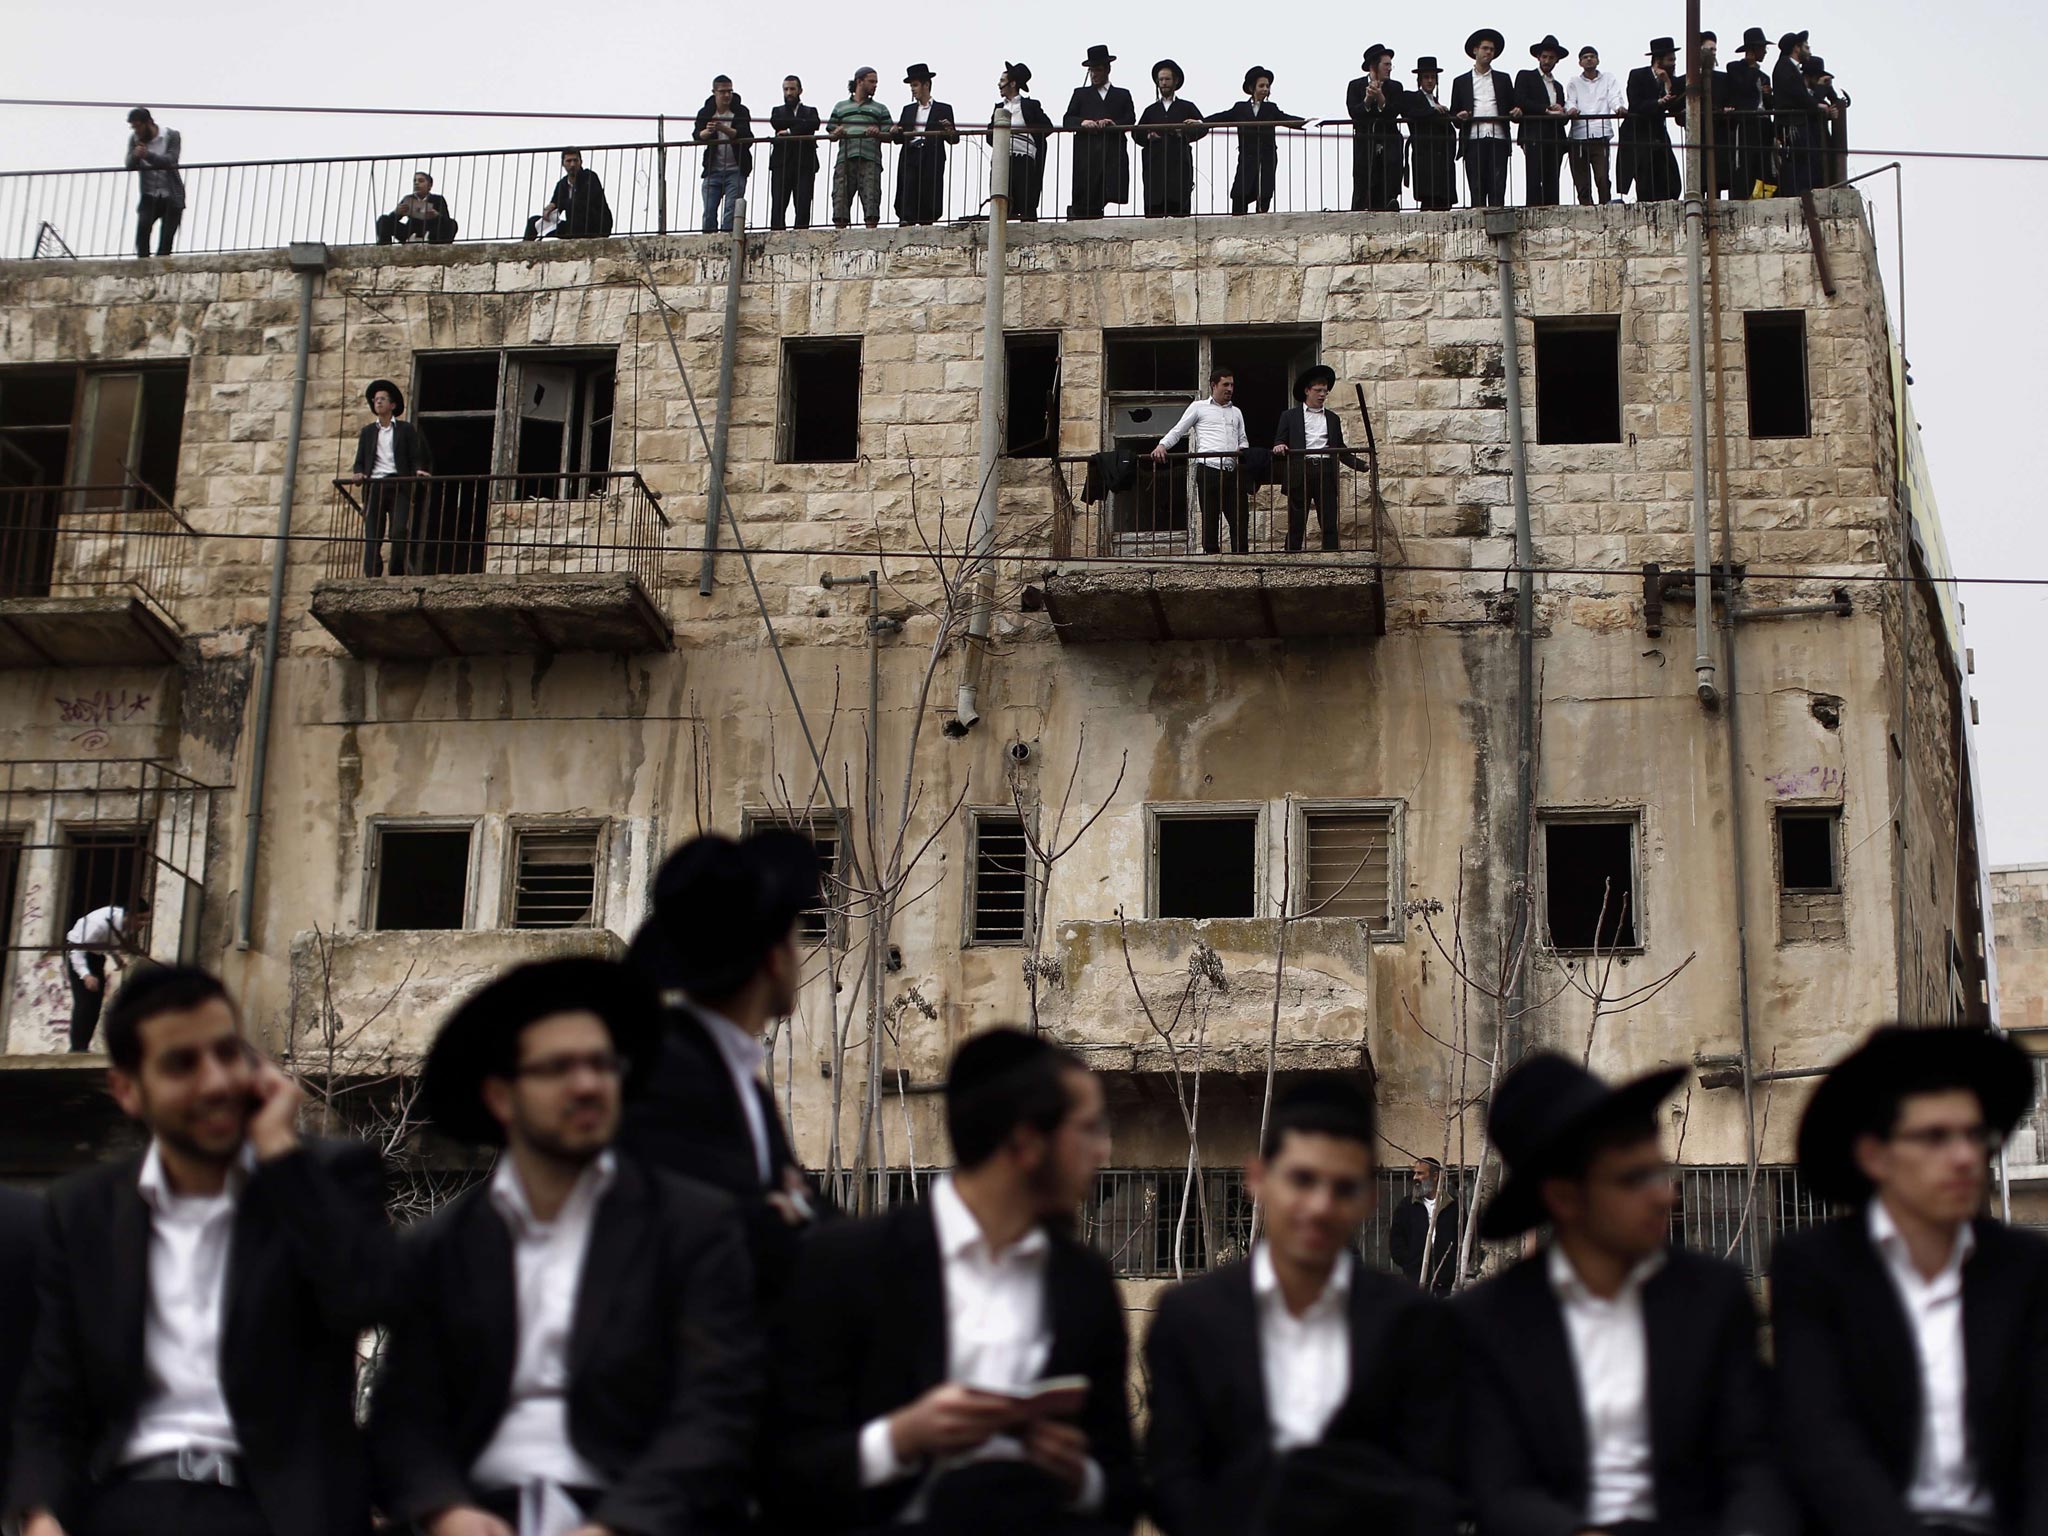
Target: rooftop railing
88, 540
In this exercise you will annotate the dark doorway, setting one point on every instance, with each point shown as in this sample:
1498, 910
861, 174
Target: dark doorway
1578, 380
455, 407
1032, 367
821, 401
1774, 348
1208, 866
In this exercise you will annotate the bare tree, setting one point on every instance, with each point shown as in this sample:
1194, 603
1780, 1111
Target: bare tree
1045, 847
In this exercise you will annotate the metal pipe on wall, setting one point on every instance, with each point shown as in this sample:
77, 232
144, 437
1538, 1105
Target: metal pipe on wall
721, 427
983, 538
1695, 286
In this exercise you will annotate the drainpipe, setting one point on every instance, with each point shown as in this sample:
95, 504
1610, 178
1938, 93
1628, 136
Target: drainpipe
309, 259
728, 346
983, 538
1501, 223
1695, 288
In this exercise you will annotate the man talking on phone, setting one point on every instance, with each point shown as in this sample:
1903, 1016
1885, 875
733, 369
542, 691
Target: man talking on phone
193, 1370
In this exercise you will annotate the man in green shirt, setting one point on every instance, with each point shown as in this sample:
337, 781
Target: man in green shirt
859, 123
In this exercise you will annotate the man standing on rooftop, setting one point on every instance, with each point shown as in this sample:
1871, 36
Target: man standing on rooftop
1481, 102
859, 123
1593, 99
726, 130
1218, 446
153, 152
1102, 160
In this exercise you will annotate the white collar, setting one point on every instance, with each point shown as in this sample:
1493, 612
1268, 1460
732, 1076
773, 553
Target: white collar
154, 1183
1571, 1288
959, 1232
1318, 409
1891, 1243
1266, 1283
508, 1192
743, 1053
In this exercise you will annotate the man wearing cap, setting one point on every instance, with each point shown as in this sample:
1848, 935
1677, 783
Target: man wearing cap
925, 130
1911, 1332
1302, 1393
576, 1347
1796, 113
1593, 100
1613, 1380
1747, 125
392, 456
1167, 130
1258, 148
153, 155
958, 1366
1374, 104
1030, 132
1432, 139
859, 123
1309, 443
1099, 112
1656, 92
1540, 96
722, 948
1482, 102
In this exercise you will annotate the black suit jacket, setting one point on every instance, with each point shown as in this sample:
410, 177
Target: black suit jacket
1792, 102
1210, 1448
1646, 108
1293, 432
1531, 96
1745, 85
799, 153
665, 1365
1105, 151
862, 1332
939, 131
1033, 121
410, 451
1409, 1231
1710, 1439
1383, 119
21, 1229
1849, 1377
310, 1266
1461, 101
582, 206
742, 128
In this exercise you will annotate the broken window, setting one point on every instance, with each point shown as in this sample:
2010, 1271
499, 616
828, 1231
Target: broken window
1031, 364
998, 899
554, 877
421, 877
564, 409
1774, 348
1589, 884
1206, 865
1806, 850
106, 867
820, 401
1348, 864
826, 920
1578, 379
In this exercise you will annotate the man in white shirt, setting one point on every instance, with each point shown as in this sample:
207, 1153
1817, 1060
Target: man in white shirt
1613, 1381
1593, 101
103, 934
958, 1366
577, 1350
1216, 443
194, 1366
1912, 1333
1482, 104
392, 460
1301, 1392
1308, 445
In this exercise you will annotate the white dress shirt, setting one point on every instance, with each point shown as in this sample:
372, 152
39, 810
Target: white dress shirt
998, 1336
1611, 1355
1595, 98
182, 1404
531, 1444
1486, 103
386, 462
744, 1057
1305, 1360
1218, 431
1315, 427
1945, 1480
1021, 143
102, 930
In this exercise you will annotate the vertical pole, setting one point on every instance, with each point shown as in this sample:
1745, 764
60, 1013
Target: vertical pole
1699, 110
714, 491
983, 541
661, 174
878, 931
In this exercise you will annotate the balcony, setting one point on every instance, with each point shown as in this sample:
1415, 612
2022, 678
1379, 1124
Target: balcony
85, 573
1129, 561
494, 565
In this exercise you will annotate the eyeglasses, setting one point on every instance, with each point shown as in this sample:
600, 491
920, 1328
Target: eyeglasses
1938, 1138
555, 1069
1635, 1180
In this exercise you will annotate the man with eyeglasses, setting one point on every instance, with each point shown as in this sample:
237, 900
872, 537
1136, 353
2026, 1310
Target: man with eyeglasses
1613, 1382
576, 1350
1912, 1333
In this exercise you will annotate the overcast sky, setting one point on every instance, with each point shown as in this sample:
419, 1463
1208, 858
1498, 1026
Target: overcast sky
1978, 329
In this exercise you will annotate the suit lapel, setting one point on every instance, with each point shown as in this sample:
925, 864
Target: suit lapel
922, 1289
129, 1283
1667, 1362
1987, 1343
491, 1291
1244, 1361
1547, 1367
615, 1234
1869, 1293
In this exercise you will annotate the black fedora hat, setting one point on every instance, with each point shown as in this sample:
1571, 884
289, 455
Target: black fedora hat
1374, 54
1790, 41
1179, 75
1753, 37
1021, 73
1816, 66
720, 906
1550, 44
1858, 1097
918, 72
1543, 1112
397, 395
1319, 372
480, 1036
1254, 74
1659, 46
1485, 34
1426, 64
1099, 54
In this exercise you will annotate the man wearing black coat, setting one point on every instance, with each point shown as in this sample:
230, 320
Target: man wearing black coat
1308, 444
194, 1364
1099, 113
1912, 1333
1746, 128
1167, 130
392, 457
725, 129
793, 160
926, 132
722, 949
1257, 119
1482, 102
1795, 113
1613, 1381
1374, 104
1656, 94
21, 1229
1301, 1393
1417, 1247
1030, 134
578, 1332
577, 206
1540, 96
959, 1365
1432, 140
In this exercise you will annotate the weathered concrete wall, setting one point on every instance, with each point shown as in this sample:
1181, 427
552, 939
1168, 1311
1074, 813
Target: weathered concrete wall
2019, 922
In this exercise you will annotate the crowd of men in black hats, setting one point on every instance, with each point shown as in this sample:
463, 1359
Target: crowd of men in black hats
646, 1320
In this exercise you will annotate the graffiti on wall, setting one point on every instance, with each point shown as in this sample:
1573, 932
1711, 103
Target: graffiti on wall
92, 713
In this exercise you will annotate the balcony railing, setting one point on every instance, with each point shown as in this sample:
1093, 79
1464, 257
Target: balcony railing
1132, 507
83, 540
554, 524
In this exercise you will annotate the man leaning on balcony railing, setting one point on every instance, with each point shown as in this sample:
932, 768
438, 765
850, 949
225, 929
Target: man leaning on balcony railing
1218, 445
390, 455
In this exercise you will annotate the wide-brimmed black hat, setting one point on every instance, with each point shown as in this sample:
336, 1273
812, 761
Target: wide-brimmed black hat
1374, 54
917, 72
1426, 64
1661, 45
1753, 37
397, 395
1254, 74
1472, 43
1179, 75
1790, 41
1858, 1097
1321, 371
1099, 54
721, 906
1021, 73
480, 1036
1815, 66
1550, 44
1544, 1112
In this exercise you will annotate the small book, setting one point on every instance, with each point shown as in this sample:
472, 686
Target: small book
1055, 1397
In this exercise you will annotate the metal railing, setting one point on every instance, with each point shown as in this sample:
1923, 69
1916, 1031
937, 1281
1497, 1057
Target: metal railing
656, 186
1131, 506
554, 524
76, 540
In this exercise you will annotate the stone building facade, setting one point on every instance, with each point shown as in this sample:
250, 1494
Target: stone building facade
504, 745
